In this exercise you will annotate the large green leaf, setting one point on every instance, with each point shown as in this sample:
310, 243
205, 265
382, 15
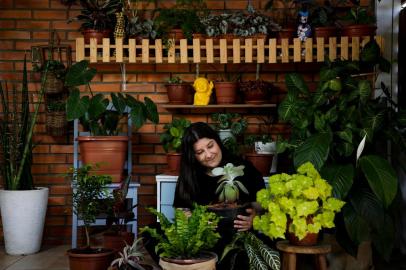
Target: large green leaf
364, 90
315, 149
384, 239
381, 177
375, 121
97, 106
76, 106
357, 228
151, 110
371, 52
340, 177
288, 108
79, 74
119, 102
296, 84
137, 114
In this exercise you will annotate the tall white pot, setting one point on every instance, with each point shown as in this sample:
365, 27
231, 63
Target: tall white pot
23, 216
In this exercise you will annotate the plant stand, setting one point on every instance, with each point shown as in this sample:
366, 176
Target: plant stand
290, 251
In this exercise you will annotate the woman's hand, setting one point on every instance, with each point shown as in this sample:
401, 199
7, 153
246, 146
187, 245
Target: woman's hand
244, 223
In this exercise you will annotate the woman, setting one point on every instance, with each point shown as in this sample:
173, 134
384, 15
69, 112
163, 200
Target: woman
202, 151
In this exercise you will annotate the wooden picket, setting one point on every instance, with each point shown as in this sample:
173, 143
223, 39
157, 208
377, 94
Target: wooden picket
222, 51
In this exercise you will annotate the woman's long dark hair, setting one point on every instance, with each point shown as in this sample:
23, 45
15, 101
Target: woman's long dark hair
187, 186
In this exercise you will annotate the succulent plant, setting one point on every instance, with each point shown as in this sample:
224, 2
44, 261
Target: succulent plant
229, 188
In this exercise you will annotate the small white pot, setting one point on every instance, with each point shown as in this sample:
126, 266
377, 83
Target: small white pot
225, 134
23, 216
265, 148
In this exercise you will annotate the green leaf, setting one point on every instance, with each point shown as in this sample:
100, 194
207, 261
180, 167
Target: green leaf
76, 106
381, 178
119, 102
296, 84
315, 149
364, 90
138, 117
345, 135
152, 111
357, 228
79, 74
384, 239
371, 52
340, 177
97, 106
288, 108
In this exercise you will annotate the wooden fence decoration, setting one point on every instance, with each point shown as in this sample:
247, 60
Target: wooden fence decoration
222, 51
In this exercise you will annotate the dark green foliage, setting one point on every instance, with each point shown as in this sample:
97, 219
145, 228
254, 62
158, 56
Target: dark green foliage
261, 257
171, 138
187, 236
96, 113
328, 127
232, 121
89, 190
97, 14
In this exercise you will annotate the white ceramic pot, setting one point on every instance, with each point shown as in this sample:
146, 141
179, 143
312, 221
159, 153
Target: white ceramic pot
225, 134
265, 148
23, 216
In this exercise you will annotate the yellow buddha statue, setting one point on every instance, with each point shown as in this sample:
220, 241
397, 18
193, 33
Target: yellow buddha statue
203, 90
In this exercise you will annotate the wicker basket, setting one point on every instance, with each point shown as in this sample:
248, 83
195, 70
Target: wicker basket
53, 85
56, 123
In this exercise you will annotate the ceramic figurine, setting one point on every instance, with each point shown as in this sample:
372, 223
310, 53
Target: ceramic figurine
304, 29
203, 90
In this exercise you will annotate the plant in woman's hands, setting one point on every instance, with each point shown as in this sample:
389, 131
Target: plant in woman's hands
297, 197
229, 188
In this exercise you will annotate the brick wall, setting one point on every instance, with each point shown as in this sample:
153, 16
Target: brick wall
24, 23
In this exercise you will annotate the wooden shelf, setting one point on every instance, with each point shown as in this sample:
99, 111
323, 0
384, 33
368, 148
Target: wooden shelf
218, 107
222, 51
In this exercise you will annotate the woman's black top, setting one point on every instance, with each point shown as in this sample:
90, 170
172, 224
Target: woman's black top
252, 180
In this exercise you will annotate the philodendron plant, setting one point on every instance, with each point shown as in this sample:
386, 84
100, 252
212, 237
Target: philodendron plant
228, 188
96, 113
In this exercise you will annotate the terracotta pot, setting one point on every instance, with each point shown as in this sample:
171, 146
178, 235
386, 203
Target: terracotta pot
90, 259
178, 93
325, 32
206, 261
288, 32
358, 30
309, 240
117, 241
255, 92
99, 35
173, 160
176, 34
262, 162
109, 151
226, 92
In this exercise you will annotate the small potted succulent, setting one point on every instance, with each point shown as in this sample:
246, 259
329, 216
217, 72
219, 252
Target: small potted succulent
89, 192
179, 92
97, 17
171, 140
298, 205
185, 241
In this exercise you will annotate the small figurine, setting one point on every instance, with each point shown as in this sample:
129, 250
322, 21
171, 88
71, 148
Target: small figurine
304, 30
203, 90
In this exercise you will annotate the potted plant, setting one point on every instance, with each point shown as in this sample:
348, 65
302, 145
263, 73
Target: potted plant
286, 17
137, 26
255, 92
97, 17
324, 18
226, 88
262, 153
101, 118
55, 76
260, 255
119, 213
229, 124
23, 206
171, 140
186, 241
131, 258
360, 21
329, 124
55, 117
89, 190
179, 92
298, 205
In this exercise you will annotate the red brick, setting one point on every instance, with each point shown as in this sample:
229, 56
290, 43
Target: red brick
60, 210
112, 87
7, 45
156, 98
239, 4
143, 169
62, 149
49, 159
41, 35
55, 221
4, 24
14, 35
152, 159
33, 24
41, 149
172, 68
152, 77
57, 231
6, 3
12, 13
24, 45
59, 168
60, 190
49, 14
32, 4
140, 88
56, 200
147, 190
63, 25
215, 4
142, 149
6, 65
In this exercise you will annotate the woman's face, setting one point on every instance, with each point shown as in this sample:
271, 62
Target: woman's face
208, 152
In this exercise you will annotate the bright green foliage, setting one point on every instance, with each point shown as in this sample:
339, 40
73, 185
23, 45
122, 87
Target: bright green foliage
228, 188
97, 113
188, 235
297, 197
261, 257
172, 137
89, 190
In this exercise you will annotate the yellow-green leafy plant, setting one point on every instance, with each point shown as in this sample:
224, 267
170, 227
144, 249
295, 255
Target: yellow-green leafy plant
296, 197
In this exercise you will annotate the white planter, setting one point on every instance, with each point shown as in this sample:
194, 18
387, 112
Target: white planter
225, 134
23, 216
265, 148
